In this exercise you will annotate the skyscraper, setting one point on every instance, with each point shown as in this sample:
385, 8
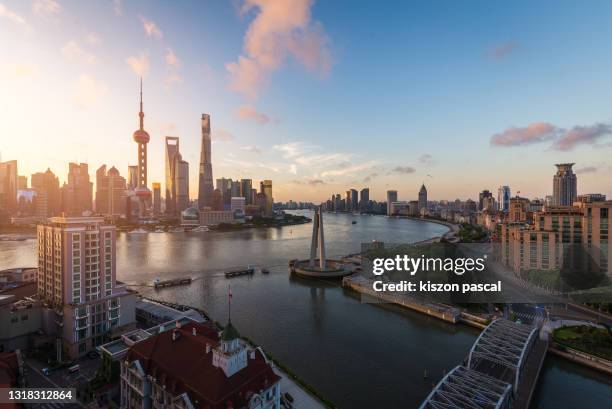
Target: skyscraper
391, 197
110, 192
354, 199
141, 137
564, 185
46, 185
8, 187
205, 186
156, 198
132, 177
225, 186
422, 198
485, 194
235, 189
364, 199
77, 193
172, 157
266, 190
503, 198
246, 185
182, 184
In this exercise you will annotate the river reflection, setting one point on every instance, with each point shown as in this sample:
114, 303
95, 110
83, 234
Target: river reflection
358, 355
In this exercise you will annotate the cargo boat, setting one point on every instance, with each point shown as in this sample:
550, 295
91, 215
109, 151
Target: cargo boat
171, 283
242, 272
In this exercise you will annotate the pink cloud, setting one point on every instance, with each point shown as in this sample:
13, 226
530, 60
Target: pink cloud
249, 112
533, 133
280, 29
151, 28
581, 135
500, 51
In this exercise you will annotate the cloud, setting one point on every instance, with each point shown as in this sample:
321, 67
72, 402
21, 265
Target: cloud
587, 169
88, 91
140, 64
220, 134
171, 58
279, 29
249, 112
93, 38
533, 133
370, 177
151, 28
349, 170
401, 170
46, 7
14, 17
501, 51
17, 71
309, 182
73, 52
579, 135
117, 7
173, 79
252, 148
305, 155
426, 159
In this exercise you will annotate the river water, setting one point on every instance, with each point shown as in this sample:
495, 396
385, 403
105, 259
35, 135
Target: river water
357, 355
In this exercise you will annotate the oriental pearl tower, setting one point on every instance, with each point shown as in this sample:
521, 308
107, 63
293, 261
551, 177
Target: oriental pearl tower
141, 137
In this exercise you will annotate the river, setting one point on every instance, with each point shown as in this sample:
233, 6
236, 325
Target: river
358, 355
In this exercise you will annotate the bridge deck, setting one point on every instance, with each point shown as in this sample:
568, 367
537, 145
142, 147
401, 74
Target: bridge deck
531, 373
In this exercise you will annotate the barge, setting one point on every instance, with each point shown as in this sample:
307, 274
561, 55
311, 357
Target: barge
171, 283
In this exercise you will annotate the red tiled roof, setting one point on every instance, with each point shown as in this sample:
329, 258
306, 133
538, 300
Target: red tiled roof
9, 369
183, 365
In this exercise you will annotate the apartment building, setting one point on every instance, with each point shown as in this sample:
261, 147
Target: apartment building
77, 282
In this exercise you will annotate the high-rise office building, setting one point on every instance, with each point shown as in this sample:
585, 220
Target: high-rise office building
422, 198
349, 204
564, 185
225, 187
266, 190
9, 180
77, 280
172, 158
77, 192
110, 192
141, 137
503, 199
364, 199
485, 194
182, 184
22, 182
246, 187
156, 198
48, 194
391, 197
354, 200
132, 177
236, 188
205, 185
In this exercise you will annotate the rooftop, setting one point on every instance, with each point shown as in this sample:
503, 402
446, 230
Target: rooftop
179, 360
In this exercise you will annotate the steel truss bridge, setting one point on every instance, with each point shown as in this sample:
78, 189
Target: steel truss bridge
493, 376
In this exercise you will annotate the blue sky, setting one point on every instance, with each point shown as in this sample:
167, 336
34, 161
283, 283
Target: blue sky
319, 97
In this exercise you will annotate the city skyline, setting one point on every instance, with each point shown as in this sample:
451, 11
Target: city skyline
63, 64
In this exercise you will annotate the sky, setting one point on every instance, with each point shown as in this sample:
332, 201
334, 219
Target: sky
318, 96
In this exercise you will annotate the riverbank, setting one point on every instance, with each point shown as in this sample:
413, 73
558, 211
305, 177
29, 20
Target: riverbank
450, 236
288, 220
447, 313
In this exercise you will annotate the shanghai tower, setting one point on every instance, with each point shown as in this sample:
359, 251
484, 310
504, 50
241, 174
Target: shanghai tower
205, 186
